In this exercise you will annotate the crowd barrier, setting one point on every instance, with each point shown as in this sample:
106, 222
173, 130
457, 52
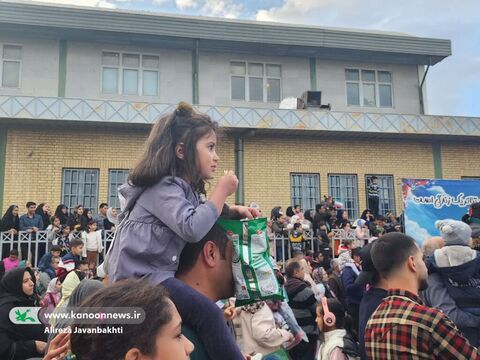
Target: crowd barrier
32, 246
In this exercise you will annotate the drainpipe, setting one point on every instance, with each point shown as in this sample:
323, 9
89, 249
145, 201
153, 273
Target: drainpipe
3, 155
240, 194
420, 89
195, 80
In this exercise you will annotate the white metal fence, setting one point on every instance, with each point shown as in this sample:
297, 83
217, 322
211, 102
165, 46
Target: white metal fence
32, 246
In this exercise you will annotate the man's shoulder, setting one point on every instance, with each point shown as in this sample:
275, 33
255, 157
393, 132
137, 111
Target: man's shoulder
199, 352
408, 312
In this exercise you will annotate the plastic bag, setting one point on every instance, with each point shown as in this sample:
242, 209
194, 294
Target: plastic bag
252, 268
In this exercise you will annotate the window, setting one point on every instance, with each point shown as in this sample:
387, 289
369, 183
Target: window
343, 188
116, 178
387, 193
80, 186
305, 190
130, 74
255, 81
369, 88
11, 65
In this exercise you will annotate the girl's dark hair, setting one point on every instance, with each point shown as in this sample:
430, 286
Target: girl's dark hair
9, 212
290, 212
343, 320
128, 293
159, 158
275, 213
364, 214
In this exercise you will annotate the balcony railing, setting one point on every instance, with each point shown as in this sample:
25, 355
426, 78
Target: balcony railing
111, 111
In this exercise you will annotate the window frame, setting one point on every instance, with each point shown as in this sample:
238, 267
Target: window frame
95, 206
20, 71
109, 195
377, 84
393, 198
120, 69
265, 79
355, 212
293, 202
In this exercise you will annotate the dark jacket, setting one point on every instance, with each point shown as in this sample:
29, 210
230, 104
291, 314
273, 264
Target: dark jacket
335, 283
10, 222
353, 292
71, 258
437, 296
370, 301
45, 261
17, 342
303, 304
462, 281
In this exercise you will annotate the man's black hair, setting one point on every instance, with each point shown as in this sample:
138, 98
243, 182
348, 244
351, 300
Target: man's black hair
30, 203
14, 252
102, 205
191, 251
390, 252
291, 268
75, 243
356, 251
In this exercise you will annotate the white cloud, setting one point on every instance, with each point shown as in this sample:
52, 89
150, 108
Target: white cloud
95, 3
186, 4
414, 230
431, 18
436, 189
222, 8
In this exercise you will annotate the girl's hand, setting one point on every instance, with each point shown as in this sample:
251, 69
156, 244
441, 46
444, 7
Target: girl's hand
228, 183
58, 347
229, 313
245, 212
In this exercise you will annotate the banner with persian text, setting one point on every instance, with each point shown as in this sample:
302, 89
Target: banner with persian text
427, 201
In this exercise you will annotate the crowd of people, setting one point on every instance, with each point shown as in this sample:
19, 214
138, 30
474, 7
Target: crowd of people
376, 296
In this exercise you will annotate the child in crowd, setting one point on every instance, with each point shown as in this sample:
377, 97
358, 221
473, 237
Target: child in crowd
260, 333
11, 262
157, 338
297, 242
54, 230
93, 244
71, 261
168, 184
63, 240
335, 325
53, 295
345, 253
458, 265
44, 262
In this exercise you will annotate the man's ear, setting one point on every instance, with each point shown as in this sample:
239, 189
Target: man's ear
210, 255
411, 264
180, 151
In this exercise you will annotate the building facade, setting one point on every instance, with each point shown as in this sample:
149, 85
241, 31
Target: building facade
82, 86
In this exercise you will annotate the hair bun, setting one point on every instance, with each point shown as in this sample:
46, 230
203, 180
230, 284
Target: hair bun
184, 109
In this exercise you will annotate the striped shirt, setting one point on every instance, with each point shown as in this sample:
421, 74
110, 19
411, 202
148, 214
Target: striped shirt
403, 328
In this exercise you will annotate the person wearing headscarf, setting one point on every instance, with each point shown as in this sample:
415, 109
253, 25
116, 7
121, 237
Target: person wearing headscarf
10, 223
259, 331
43, 210
62, 213
86, 288
112, 219
53, 295
69, 284
17, 341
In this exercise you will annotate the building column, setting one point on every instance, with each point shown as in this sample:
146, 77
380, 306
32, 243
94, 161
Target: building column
195, 80
3, 157
240, 194
313, 73
437, 160
62, 68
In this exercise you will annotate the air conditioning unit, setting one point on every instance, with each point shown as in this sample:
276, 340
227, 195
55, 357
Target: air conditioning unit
312, 98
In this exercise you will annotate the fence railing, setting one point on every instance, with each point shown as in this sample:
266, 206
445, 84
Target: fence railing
32, 246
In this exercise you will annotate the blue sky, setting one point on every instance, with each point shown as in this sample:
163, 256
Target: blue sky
453, 85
